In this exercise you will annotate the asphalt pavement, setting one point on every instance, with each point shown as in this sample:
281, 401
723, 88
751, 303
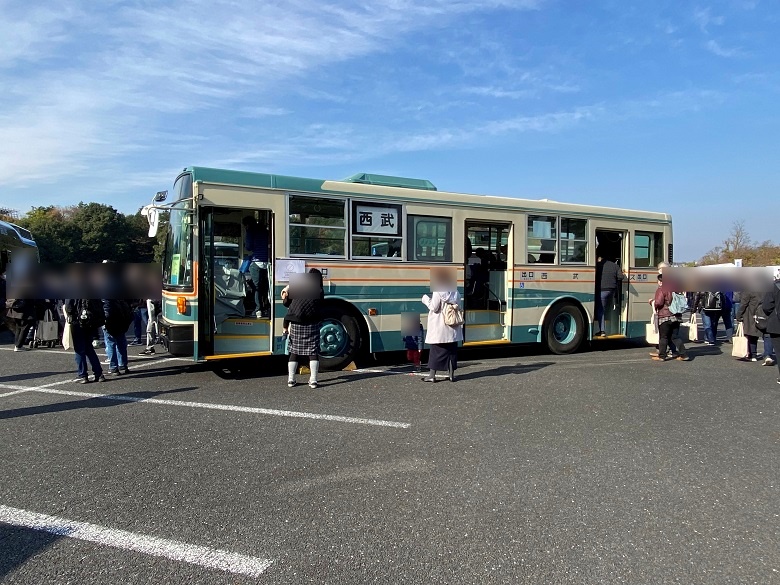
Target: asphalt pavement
600, 467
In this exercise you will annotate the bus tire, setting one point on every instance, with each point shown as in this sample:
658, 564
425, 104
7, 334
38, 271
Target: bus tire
564, 328
340, 339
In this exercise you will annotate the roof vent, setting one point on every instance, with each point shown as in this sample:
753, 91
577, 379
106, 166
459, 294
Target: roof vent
388, 181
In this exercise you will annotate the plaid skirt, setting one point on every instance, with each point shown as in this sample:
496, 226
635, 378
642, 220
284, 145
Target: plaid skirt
305, 339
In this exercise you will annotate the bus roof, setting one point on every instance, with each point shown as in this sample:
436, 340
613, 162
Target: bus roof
400, 188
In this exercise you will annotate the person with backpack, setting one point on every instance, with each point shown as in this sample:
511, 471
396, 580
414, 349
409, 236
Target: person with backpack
671, 349
670, 307
712, 306
119, 316
85, 317
441, 337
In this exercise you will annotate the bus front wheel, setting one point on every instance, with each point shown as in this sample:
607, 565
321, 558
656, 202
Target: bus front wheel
339, 338
564, 329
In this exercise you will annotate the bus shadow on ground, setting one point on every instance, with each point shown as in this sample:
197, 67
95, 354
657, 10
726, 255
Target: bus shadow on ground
503, 371
271, 366
97, 402
20, 545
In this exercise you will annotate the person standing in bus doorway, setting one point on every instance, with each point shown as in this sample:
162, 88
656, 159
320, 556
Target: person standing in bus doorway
442, 339
256, 242
608, 277
303, 299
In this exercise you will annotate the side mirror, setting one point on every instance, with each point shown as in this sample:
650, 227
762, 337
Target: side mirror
160, 196
153, 217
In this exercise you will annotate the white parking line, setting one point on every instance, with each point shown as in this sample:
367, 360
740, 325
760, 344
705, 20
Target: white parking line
205, 405
101, 354
21, 390
159, 547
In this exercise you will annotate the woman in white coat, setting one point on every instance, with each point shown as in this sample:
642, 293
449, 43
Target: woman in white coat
440, 337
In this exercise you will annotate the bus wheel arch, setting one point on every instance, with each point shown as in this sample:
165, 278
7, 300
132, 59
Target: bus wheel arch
565, 326
343, 334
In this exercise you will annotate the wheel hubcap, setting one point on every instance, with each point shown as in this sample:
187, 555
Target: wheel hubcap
334, 339
564, 328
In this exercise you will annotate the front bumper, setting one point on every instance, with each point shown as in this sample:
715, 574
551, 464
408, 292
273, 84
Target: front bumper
178, 340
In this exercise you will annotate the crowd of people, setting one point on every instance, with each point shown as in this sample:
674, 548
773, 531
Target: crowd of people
82, 325
755, 312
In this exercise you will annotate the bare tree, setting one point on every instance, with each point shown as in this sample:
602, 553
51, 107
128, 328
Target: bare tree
739, 240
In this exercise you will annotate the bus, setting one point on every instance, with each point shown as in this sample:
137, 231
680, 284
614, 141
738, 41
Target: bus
525, 268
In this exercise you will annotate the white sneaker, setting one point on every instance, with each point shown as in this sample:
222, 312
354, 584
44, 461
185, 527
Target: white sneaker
291, 383
769, 362
313, 384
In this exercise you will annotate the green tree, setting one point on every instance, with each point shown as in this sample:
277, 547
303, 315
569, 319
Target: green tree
105, 234
142, 246
57, 237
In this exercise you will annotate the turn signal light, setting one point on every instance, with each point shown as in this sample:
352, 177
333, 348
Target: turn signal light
373, 312
181, 305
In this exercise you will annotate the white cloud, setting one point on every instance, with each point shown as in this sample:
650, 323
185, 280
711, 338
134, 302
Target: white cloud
323, 144
717, 49
91, 83
262, 112
703, 18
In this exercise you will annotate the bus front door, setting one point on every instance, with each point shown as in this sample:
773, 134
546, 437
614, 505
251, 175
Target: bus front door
239, 289
613, 245
486, 285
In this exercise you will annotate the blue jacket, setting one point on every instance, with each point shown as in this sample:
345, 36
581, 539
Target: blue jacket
257, 242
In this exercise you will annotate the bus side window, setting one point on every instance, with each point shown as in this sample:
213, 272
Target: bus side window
430, 239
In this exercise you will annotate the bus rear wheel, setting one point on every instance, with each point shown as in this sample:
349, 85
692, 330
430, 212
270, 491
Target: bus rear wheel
564, 329
339, 338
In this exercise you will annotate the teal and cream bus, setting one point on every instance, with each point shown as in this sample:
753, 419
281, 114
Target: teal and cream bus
526, 268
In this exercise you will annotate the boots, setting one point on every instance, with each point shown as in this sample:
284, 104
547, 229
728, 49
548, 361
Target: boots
451, 372
431, 377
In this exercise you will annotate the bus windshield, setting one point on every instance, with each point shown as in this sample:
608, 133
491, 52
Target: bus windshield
177, 265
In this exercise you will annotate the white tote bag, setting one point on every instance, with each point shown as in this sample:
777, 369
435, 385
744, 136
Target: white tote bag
67, 336
739, 342
651, 329
690, 331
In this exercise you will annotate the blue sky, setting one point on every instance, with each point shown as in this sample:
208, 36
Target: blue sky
658, 104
